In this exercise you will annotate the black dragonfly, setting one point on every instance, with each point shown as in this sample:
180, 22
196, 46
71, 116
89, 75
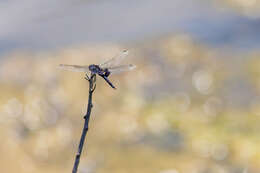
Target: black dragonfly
104, 69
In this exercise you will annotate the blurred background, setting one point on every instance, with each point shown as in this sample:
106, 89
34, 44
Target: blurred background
192, 105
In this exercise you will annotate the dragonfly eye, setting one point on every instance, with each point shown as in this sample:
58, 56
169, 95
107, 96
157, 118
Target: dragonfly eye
92, 67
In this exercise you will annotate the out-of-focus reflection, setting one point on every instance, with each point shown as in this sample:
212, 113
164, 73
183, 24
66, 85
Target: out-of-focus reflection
175, 113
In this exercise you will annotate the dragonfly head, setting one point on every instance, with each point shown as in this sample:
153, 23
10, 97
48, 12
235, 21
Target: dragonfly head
94, 68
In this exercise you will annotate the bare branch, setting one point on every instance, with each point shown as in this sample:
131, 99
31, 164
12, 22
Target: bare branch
92, 86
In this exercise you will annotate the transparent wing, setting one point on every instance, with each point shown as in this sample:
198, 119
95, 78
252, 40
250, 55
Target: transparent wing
115, 60
75, 68
121, 68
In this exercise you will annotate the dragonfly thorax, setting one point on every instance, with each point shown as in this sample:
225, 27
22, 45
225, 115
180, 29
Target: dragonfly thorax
95, 69
98, 70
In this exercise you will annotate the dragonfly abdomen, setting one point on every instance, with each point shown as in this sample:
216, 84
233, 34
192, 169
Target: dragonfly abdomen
106, 79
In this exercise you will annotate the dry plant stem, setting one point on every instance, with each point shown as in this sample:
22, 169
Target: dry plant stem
92, 86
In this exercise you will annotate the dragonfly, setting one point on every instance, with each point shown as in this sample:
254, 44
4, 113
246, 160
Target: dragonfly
105, 69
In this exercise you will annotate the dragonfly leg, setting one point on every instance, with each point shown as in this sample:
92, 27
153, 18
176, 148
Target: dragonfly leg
93, 88
87, 77
92, 81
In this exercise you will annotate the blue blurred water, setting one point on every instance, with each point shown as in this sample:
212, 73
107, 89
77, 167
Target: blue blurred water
52, 24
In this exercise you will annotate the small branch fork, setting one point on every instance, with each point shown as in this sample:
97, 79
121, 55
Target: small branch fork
92, 87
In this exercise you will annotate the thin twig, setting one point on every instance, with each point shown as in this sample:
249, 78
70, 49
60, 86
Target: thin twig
92, 87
